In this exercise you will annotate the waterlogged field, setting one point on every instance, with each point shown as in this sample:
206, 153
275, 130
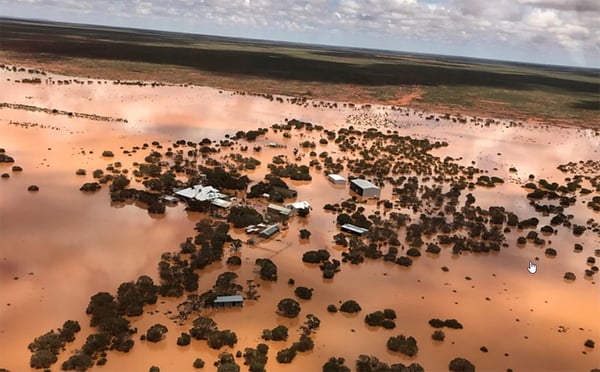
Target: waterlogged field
466, 203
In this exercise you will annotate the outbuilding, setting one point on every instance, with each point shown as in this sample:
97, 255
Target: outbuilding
336, 179
269, 231
364, 188
279, 209
353, 229
229, 301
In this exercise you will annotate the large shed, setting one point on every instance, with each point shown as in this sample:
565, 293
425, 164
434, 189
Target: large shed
229, 301
364, 188
279, 209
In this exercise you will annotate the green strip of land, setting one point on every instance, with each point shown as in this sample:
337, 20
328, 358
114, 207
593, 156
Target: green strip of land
553, 94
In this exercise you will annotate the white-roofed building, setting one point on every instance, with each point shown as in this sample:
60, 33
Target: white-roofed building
200, 193
336, 179
364, 188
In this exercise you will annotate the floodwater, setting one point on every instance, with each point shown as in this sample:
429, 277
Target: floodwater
59, 246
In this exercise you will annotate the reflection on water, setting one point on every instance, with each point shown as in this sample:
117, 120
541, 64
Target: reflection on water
59, 246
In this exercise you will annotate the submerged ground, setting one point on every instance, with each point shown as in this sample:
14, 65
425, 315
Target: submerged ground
59, 245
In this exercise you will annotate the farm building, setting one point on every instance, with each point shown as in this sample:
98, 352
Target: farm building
269, 231
364, 188
279, 209
170, 199
229, 301
336, 179
200, 193
353, 229
299, 205
221, 203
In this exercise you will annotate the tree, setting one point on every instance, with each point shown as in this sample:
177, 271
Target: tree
79, 362
438, 335
243, 216
279, 333
335, 365
268, 269
288, 308
374, 319
350, 306
315, 256
304, 293
218, 339
286, 355
184, 339
68, 330
405, 345
156, 332
198, 363
304, 234
461, 365
43, 358
202, 328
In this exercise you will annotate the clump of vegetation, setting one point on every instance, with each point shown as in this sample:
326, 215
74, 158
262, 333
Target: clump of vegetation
244, 216
403, 344
256, 359
350, 306
286, 356
288, 308
438, 335
304, 234
45, 348
383, 319
569, 276
184, 339
198, 363
332, 308
268, 269
217, 339
234, 261
304, 293
589, 343
80, 172
315, 257
226, 363
335, 365
108, 154
279, 333
461, 365
156, 332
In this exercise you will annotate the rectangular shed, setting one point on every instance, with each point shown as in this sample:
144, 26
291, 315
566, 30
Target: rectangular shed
353, 229
229, 301
364, 188
336, 179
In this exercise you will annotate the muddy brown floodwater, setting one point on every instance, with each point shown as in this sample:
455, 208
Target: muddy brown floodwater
59, 246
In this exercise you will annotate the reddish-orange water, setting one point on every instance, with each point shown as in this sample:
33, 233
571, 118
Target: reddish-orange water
60, 246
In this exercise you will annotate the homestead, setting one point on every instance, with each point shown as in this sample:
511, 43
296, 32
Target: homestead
229, 301
200, 193
336, 179
364, 188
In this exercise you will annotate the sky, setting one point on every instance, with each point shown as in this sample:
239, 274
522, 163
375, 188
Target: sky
557, 32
